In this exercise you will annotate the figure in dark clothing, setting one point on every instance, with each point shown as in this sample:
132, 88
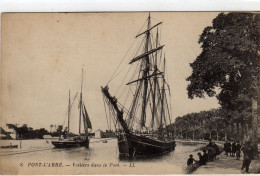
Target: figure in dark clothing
211, 151
233, 148
205, 155
226, 148
202, 160
190, 160
248, 156
217, 152
238, 150
229, 148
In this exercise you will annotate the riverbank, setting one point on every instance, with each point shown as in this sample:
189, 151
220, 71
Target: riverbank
227, 165
223, 164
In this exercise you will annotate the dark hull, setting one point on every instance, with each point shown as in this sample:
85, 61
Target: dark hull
9, 146
70, 144
131, 145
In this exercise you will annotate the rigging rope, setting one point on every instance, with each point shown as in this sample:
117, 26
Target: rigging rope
124, 56
106, 113
128, 70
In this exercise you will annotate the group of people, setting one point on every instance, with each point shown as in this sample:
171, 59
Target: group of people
209, 154
203, 159
233, 149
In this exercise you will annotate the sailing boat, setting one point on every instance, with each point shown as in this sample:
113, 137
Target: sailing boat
136, 138
80, 140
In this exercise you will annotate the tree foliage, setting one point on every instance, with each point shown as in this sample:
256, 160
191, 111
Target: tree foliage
228, 61
25, 132
212, 124
200, 125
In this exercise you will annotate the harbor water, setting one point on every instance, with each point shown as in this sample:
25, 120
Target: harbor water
40, 157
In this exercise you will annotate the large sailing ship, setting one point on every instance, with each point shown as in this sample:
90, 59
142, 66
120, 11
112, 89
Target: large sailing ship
151, 101
80, 139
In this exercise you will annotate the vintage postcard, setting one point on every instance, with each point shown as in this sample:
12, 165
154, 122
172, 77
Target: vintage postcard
130, 93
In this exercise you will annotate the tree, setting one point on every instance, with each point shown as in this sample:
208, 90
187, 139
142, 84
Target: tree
228, 61
59, 129
200, 125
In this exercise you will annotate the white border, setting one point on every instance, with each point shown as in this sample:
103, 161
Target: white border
127, 5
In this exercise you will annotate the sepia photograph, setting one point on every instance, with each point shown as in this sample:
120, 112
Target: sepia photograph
130, 93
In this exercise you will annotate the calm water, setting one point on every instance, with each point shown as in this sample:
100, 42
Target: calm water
23, 160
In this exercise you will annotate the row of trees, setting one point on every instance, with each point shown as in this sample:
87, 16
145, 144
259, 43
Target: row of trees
25, 132
211, 124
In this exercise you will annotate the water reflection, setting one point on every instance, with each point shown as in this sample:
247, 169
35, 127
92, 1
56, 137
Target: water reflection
99, 152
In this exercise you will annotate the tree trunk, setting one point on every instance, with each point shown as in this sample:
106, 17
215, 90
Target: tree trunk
193, 134
254, 137
257, 116
217, 136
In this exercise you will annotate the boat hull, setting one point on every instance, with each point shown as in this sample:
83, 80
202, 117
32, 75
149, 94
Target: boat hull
9, 146
70, 144
131, 145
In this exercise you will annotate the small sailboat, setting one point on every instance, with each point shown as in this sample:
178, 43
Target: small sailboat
9, 146
148, 87
81, 139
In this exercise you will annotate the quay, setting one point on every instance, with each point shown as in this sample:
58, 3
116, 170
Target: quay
223, 164
227, 165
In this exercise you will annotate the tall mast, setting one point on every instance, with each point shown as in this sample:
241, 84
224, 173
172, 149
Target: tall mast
155, 81
163, 92
80, 103
69, 115
145, 74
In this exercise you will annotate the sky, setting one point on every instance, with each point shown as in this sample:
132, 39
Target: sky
43, 54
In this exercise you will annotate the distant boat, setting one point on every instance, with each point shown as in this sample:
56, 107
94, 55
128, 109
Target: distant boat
82, 139
150, 100
9, 146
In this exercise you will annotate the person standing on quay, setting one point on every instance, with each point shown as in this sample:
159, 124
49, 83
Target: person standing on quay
217, 152
211, 151
248, 156
233, 148
238, 150
226, 148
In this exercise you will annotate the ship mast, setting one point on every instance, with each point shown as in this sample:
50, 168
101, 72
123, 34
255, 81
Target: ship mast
69, 115
155, 82
80, 103
146, 89
145, 74
163, 94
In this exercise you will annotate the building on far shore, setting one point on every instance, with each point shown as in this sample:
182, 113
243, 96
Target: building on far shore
99, 134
